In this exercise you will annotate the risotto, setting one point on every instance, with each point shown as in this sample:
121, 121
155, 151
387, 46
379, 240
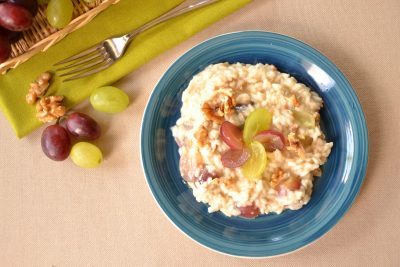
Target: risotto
249, 139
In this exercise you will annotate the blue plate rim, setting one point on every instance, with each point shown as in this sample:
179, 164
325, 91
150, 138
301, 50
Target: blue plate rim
348, 203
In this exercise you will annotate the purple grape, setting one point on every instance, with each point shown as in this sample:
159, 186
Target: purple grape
30, 5
5, 48
251, 211
56, 143
15, 17
82, 126
12, 36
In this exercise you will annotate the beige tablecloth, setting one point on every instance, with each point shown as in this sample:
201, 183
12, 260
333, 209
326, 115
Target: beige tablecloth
56, 214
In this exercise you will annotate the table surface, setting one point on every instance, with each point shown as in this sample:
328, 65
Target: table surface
56, 214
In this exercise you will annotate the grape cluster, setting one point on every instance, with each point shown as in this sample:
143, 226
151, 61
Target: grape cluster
56, 142
56, 139
17, 16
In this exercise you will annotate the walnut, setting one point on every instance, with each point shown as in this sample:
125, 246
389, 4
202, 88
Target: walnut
294, 127
50, 108
276, 177
229, 106
292, 139
295, 144
216, 112
201, 136
38, 88
317, 118
212, 113
317, 172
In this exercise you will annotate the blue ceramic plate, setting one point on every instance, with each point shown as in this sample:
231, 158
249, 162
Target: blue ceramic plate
269, 235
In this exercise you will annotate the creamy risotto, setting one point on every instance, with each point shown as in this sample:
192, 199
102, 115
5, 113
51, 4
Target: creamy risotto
249, 139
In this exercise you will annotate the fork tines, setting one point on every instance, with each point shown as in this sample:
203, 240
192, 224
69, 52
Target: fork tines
85, 63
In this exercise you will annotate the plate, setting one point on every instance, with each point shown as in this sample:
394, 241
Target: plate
342, 120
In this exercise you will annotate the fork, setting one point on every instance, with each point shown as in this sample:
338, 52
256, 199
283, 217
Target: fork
107, 52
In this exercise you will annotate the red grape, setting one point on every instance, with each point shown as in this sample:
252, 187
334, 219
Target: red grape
184, 168
187, 170
12, 36
234, 158
56, 143
251, 211
15, 17
30, 5
271, 139
5, 48
203, 176
82, 126
231, 135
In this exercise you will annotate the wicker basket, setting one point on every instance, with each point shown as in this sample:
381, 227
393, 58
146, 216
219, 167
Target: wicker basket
40, 36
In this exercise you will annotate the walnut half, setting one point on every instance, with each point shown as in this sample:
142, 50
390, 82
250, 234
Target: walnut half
295, 145
218, 111
201, 136
50, 108
38, 88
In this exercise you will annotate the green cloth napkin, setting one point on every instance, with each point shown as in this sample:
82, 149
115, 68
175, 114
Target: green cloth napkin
118, 19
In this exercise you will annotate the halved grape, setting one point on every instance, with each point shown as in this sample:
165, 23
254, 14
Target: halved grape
257, 163
234, 158
204, 175
258, 120
187, 170
185, 167
109, 99
86, 155
249, 212
271, 139
305, 118
59, 13
231, 135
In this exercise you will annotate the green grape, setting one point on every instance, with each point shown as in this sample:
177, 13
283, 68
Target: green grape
258, 120
43, 2
257, 163
59, 13
306, 119
109, 99
86, 155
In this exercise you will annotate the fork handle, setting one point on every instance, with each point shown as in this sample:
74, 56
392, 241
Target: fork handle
183, 8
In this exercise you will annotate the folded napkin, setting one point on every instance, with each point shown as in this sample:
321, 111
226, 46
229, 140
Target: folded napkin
118, 19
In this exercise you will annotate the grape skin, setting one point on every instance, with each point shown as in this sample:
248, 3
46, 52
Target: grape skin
86, 155
55, 143
5, 48
30, 5
231, 135
249, 212
59, 13
258, 120
83, 126
109, 99
15, 17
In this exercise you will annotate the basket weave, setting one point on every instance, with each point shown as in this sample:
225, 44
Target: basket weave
40, 36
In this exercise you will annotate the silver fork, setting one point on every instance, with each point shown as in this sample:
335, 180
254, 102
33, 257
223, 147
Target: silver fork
107, 52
